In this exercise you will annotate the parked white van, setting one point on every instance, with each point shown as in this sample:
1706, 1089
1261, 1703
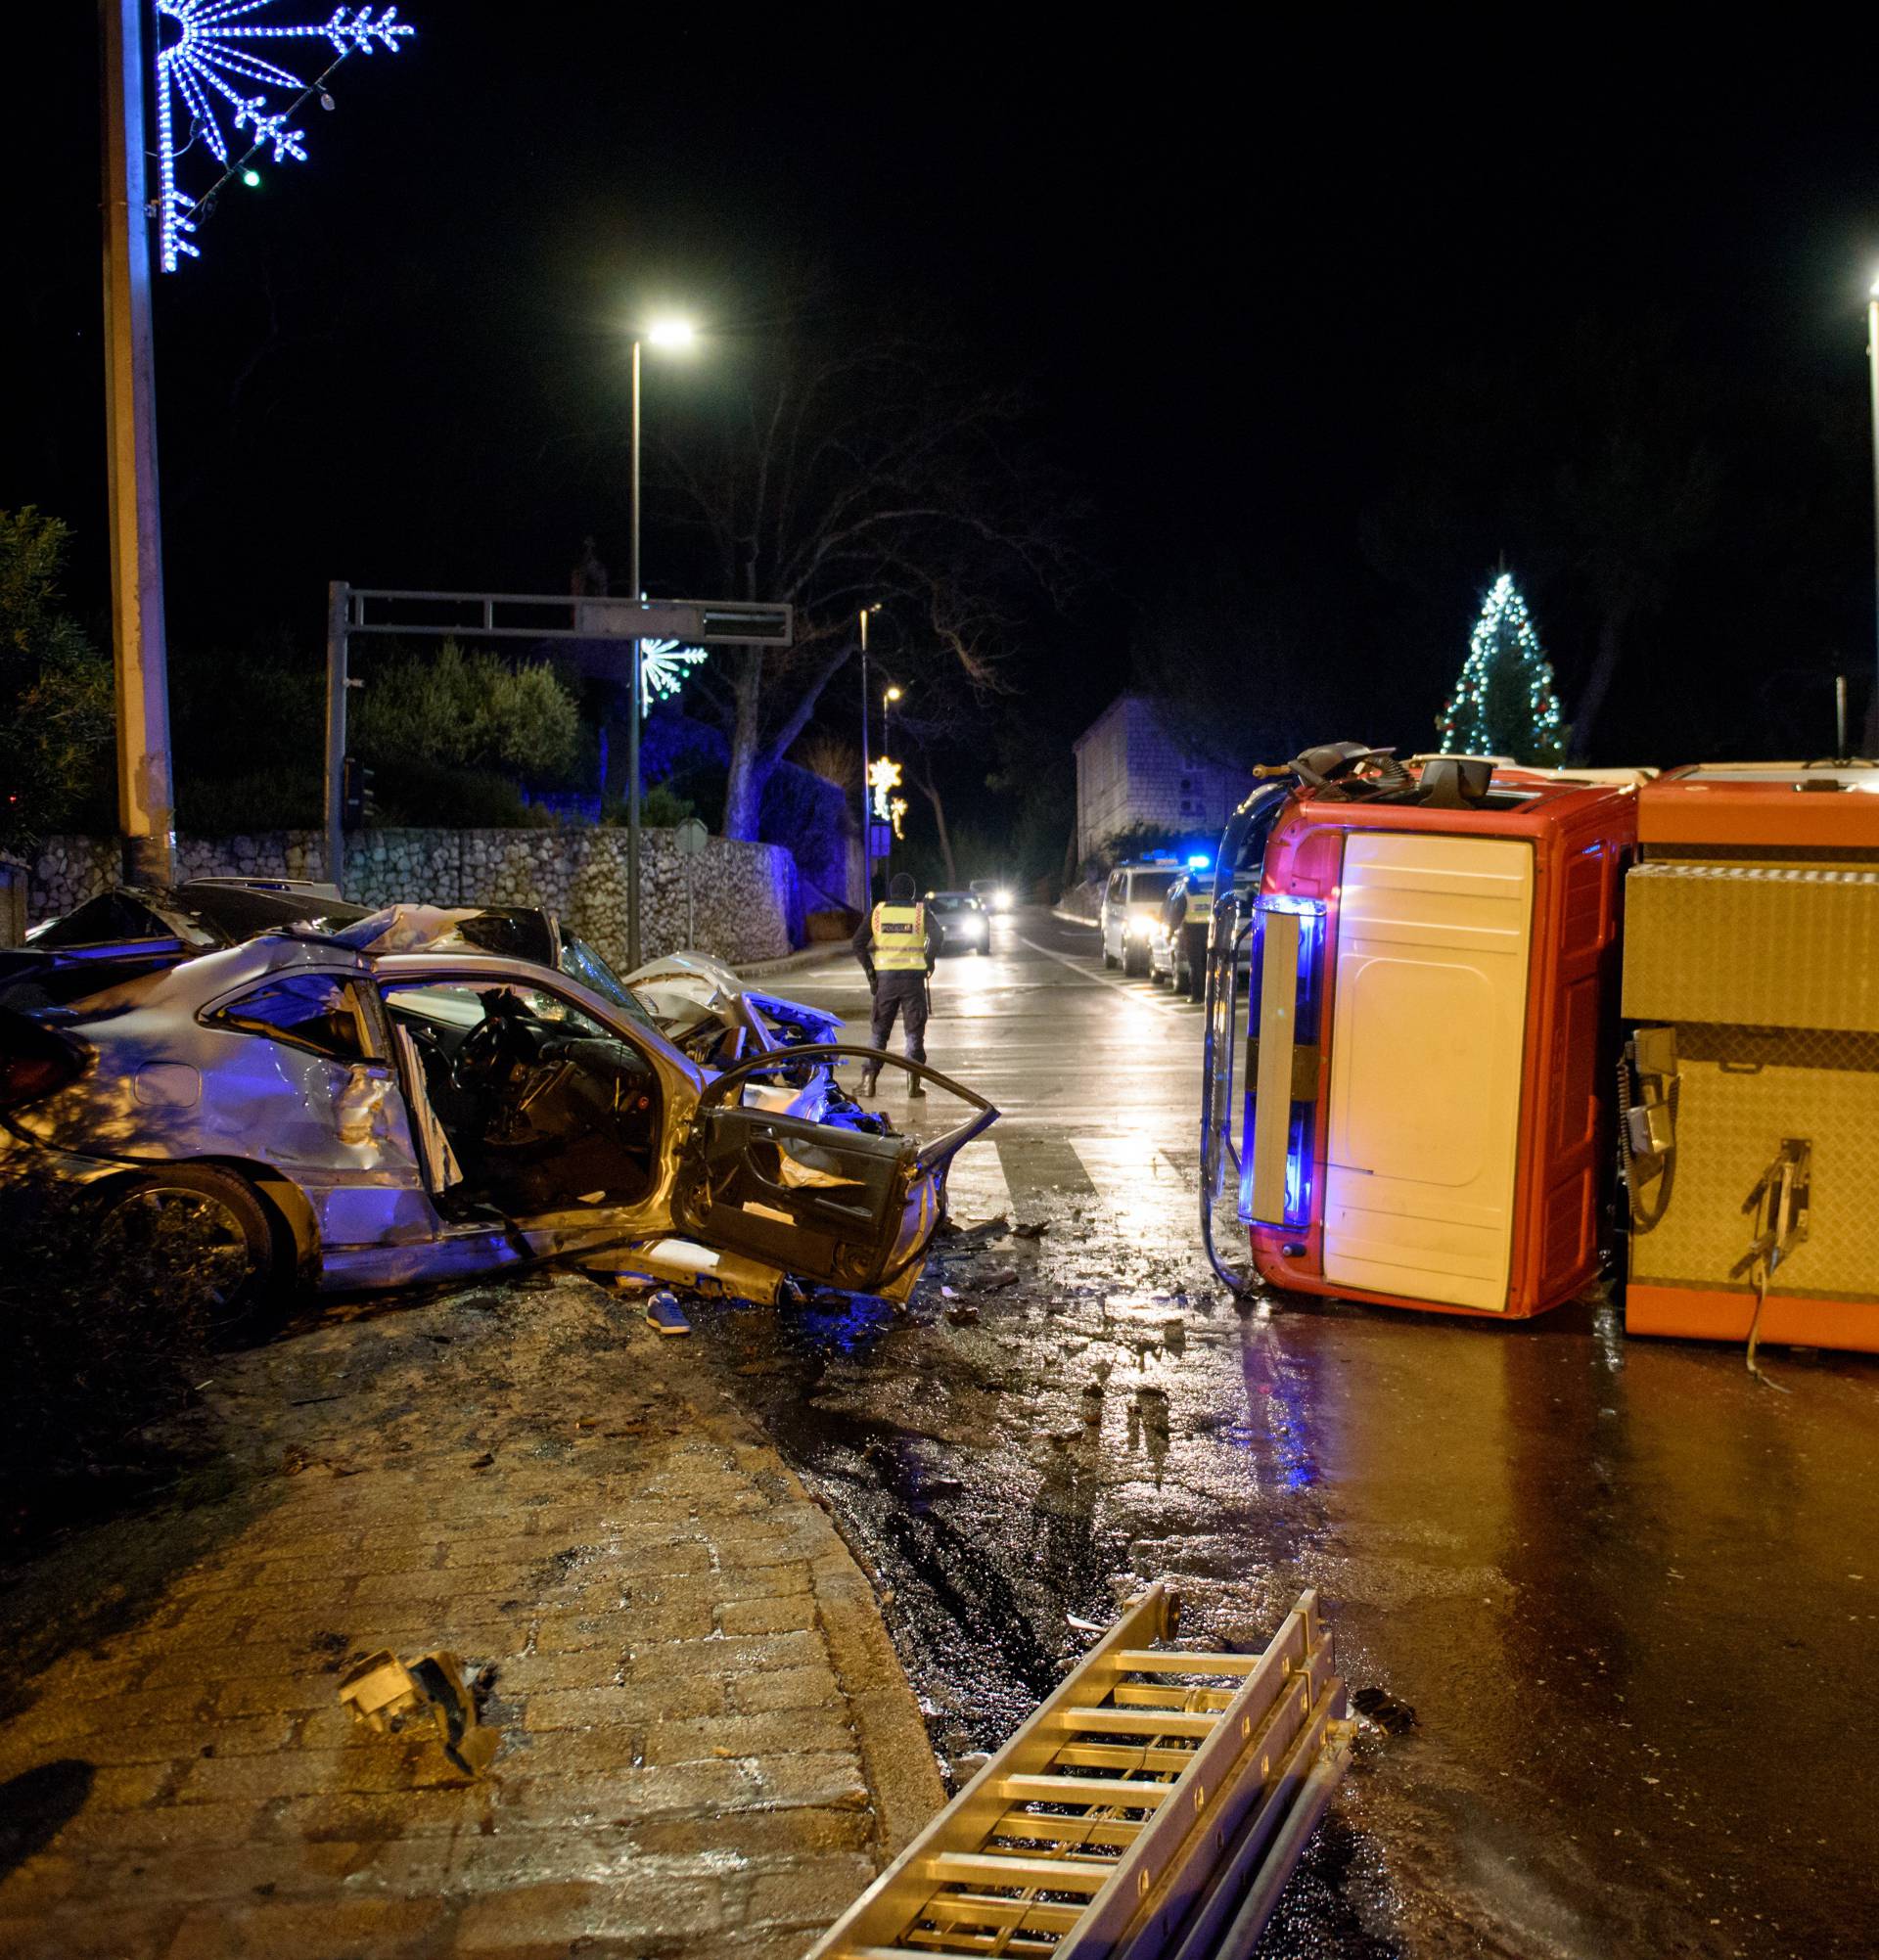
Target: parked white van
1131, 906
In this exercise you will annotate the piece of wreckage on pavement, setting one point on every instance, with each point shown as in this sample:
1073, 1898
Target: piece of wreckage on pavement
330, 1106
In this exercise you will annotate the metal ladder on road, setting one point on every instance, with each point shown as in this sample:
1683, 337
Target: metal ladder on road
1152, 1808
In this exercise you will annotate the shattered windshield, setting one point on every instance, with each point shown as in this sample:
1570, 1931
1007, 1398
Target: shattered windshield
580, 961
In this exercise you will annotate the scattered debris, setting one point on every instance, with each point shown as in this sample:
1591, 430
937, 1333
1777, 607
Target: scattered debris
963, 1315
980, 1234
484, 1461
1005, 1276
1087, 1625
1031, 1228
664, 1315
1393, 1716
385, 1694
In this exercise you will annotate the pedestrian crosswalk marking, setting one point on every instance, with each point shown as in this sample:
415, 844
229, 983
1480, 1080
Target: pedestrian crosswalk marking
977, 1187
1141, 1186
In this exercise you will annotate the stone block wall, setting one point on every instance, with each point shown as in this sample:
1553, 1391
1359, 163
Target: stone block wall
745, 893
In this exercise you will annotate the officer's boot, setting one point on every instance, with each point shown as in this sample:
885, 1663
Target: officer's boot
916, 1087
870, 1076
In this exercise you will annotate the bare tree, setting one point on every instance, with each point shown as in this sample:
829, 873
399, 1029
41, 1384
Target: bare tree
845, 475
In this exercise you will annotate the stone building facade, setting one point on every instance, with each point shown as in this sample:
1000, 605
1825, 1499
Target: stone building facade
1129, 770
744, 893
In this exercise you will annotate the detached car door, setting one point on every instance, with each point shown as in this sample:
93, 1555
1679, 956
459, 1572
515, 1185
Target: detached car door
824, 1203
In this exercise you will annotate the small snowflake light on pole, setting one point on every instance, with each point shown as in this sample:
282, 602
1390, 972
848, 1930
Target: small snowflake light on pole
1506, 702
884, 775
210, 72
662, 668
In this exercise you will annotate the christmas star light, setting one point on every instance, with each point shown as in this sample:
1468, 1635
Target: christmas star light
882, 775
209, 73
662, 668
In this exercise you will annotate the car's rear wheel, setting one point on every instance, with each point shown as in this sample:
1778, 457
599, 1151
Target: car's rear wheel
1134, 961
1109, 958
195, 1227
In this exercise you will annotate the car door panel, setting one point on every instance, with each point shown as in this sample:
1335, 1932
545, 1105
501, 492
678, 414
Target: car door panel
828, 1204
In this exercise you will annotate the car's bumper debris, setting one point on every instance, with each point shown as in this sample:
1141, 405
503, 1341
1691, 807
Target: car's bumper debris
387, 1695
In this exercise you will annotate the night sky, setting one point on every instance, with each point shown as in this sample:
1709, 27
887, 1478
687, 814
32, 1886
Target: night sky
1259, 286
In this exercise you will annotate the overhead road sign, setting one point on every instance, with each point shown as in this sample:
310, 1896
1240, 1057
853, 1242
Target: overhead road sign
513, 616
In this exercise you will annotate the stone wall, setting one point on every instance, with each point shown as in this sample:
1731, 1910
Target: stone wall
745, 893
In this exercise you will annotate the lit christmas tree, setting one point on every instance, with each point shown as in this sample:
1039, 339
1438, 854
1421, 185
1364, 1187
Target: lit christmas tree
1506, 702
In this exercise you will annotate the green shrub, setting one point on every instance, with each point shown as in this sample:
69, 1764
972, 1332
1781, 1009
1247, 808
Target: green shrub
659, 809
55, 686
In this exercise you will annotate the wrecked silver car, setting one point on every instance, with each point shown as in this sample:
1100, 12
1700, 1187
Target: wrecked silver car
371, 1119
702, 1006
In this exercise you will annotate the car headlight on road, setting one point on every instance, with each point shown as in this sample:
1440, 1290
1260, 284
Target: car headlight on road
1140, 922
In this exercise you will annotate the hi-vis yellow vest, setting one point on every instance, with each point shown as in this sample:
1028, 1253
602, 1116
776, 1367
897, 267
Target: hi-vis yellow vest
901, 938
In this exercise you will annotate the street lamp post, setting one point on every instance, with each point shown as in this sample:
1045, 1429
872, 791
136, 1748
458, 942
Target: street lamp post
146, 817
662, 333
867, 789
1872, 364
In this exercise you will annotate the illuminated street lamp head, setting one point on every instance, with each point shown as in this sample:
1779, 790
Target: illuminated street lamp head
1873, 288
893, 694
674, 333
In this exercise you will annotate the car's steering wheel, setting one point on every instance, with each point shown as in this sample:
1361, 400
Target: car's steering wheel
497, 1039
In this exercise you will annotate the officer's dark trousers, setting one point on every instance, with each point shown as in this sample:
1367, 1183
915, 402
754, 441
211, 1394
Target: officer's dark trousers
906, 995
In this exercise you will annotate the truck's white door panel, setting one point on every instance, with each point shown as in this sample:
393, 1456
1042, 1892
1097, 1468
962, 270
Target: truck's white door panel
1429, 1017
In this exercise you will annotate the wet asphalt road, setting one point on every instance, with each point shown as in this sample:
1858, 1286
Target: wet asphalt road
1631, 1597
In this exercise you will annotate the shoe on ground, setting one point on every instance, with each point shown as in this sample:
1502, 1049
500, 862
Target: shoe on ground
916, 1087
664, 1315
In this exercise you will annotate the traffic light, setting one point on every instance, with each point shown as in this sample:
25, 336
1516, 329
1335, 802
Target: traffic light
357, 805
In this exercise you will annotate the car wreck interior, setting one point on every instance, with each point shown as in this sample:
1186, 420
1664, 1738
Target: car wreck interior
543, 1108
821, 1202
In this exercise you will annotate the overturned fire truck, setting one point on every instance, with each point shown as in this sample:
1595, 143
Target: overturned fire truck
1504, 1027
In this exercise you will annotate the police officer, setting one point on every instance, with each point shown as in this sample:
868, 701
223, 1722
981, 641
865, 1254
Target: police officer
896, 945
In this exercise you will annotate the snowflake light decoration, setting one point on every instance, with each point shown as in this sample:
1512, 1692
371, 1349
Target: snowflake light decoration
884, 775
206, 65
662, 668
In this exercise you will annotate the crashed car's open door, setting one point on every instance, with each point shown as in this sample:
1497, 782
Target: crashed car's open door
833, 1204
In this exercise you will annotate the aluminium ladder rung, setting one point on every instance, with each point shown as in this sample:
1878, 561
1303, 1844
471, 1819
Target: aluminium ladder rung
1173, 1660
1116, 1755
1123, 1793
973, 1908
991, 1868
950, 1945
1083, 1830
1127, 1695
1138, 1721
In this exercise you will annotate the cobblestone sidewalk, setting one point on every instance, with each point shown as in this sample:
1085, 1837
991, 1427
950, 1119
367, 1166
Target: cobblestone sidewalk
708, 1744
